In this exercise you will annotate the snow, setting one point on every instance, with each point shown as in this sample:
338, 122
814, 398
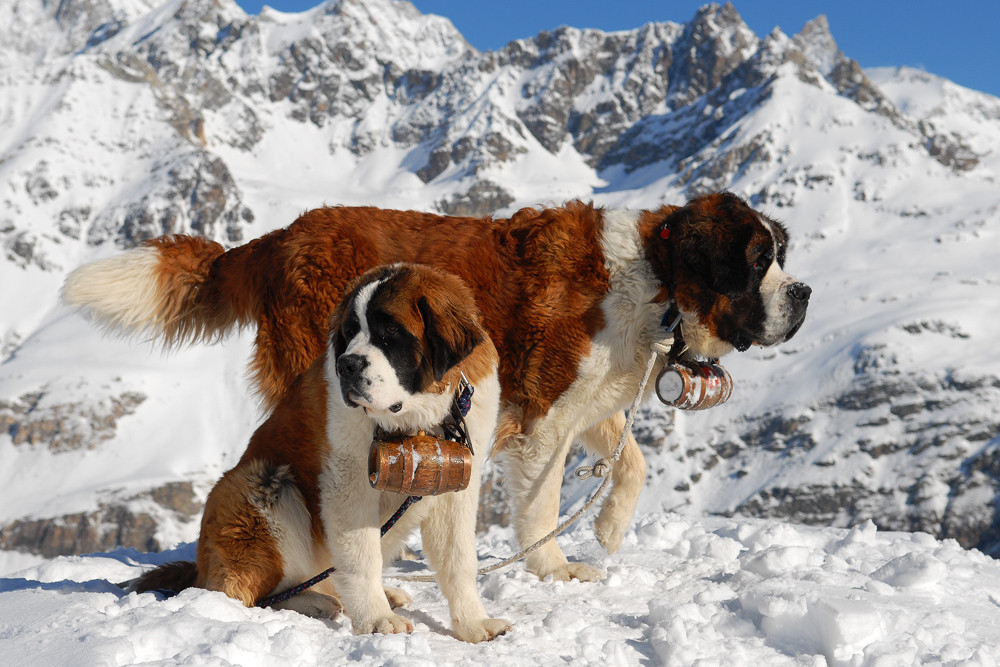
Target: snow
681, 591
946, 106
210, 425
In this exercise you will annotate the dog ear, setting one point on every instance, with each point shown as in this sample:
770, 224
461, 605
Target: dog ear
337, 340
450, 338
717, 260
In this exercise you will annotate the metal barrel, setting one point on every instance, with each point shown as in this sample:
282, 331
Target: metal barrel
696, 387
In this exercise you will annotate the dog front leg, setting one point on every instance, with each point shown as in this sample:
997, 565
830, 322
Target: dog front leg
449, 538
357, 552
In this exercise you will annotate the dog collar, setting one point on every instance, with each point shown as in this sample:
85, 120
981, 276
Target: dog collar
453, 427
463, 397
671, 317
669, 324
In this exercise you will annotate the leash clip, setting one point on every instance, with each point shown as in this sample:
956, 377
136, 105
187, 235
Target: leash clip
464, 396
664, 340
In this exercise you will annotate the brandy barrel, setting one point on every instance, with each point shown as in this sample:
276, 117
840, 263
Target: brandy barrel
694, 388
419, 465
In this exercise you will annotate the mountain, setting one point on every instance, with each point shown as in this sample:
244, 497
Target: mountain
121, 120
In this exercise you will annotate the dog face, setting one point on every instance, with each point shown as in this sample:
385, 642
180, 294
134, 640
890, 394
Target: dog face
727, 268
395, 336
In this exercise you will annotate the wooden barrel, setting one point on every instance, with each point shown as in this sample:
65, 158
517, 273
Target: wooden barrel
419, 465
694, 387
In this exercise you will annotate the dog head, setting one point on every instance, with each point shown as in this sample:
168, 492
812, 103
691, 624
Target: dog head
724, 261
398, 339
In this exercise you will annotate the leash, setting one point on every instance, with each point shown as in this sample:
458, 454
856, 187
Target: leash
457, 431
295, 590
603, 466
600, 469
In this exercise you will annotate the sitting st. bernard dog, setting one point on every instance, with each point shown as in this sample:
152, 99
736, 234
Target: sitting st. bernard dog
300, 499
572, 298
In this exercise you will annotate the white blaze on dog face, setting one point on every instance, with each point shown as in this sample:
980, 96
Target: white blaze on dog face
367, 376
389, 353
778, 294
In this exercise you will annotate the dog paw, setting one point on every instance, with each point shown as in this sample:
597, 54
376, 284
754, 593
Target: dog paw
609, 532
482, 630
397, 597
313, 604
326, 606
386, 625
568, 571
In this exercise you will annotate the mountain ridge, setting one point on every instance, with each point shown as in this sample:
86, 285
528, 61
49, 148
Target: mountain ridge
125, 119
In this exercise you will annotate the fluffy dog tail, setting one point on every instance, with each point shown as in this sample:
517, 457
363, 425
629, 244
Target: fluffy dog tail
175, 576
173, 289
181, 290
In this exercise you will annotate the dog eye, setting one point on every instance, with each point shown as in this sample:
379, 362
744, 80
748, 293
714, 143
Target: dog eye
762, 262
392, 330
350, 328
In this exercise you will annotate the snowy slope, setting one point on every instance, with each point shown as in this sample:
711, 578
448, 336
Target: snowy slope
121, 120
682, 591
884, 405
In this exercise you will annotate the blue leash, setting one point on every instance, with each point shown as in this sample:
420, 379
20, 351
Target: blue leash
464, 403
295, 590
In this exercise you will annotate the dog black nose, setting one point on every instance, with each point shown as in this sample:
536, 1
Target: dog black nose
799, 291
349, 366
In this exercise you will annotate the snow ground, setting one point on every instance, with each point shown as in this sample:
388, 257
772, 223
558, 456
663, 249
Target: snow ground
681, 591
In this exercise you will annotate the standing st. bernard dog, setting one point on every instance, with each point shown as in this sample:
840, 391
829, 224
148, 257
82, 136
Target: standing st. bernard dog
300, 500
570, 296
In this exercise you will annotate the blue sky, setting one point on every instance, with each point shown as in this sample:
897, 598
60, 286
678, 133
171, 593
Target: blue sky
956, 39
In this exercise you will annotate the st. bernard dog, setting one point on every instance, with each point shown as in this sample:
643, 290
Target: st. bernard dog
300, 500
571, 297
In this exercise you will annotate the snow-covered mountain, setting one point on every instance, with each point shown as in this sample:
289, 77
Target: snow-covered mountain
124, 119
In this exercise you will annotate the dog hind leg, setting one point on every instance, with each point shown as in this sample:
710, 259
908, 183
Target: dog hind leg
396, 597
536, 475
313, 604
